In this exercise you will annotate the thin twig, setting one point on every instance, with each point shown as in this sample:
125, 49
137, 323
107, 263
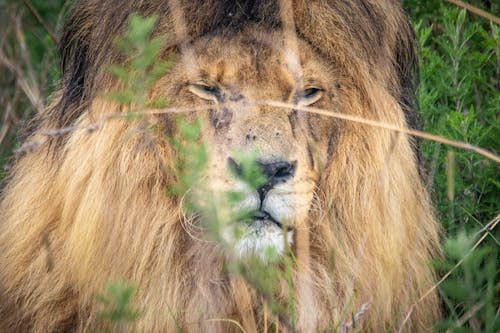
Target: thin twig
181, 35
476, 11
24, 79
30, 91
469, 314
492, 226
35, 13
6, 122
29, 71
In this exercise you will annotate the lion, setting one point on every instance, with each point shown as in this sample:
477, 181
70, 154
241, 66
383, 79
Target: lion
347, 200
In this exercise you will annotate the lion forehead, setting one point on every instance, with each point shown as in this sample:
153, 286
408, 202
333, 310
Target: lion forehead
259, 60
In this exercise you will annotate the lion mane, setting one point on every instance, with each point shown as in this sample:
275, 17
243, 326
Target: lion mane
86, 208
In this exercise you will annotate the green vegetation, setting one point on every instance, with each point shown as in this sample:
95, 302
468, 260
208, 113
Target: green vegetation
29, 70
459, 98
116, 302
142, 68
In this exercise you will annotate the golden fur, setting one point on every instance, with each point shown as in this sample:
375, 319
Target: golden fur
86, 208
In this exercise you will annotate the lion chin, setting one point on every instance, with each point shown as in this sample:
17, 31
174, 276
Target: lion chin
262, 239
272, 212
265, 235
344, 201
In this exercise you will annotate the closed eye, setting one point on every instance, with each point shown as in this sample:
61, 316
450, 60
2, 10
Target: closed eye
206, 92
309, 96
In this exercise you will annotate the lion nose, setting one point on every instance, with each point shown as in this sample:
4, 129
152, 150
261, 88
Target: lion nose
274, 172
278, 172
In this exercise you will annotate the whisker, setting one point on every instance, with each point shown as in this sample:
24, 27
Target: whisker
187, 222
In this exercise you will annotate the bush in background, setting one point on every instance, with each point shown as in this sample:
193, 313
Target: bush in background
29, 64
459, 99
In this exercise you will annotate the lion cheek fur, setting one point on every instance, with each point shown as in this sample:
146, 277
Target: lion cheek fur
94, 205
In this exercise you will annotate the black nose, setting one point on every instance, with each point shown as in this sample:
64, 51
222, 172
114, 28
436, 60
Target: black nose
278, 172
274, 172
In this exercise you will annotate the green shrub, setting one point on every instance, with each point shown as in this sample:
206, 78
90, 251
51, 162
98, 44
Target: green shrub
459, 99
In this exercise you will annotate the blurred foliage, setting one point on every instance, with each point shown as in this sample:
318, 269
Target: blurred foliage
116, 303
458, 98
142, 68
39, 40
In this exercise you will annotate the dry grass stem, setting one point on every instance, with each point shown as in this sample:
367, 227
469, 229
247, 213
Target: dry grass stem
181, 35
476, 11
35, 13
6, 122
25, 79
327, 113
291, 50
469, 314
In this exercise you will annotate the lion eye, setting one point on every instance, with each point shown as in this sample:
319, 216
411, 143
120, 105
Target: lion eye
309, 96
209, 93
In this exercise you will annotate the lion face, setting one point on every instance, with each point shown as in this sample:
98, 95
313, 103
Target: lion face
235, 78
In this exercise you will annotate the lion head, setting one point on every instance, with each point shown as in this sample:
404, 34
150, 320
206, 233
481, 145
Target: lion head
282, 81
290, 147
